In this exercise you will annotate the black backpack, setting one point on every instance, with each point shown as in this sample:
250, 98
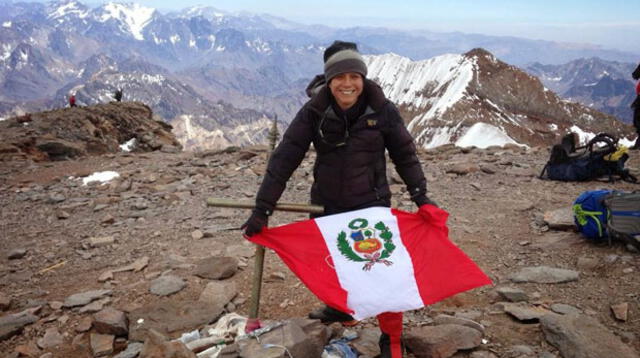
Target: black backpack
600, 157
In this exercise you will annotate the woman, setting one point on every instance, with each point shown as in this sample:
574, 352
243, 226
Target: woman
351, 124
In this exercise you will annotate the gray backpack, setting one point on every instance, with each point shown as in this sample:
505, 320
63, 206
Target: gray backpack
623, 222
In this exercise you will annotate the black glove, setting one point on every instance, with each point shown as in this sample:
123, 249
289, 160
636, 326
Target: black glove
423, 199
256, 222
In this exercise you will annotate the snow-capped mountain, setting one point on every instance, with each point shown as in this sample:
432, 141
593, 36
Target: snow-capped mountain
603, 85
461, 98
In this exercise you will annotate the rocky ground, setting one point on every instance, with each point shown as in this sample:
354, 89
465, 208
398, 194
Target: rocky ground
87, 270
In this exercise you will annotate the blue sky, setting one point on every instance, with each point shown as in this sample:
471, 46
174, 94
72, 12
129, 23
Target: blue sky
611, 23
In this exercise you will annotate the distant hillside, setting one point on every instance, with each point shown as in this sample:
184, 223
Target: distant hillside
80, 131
603, 85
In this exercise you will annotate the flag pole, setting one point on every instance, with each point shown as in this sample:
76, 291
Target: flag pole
239, 204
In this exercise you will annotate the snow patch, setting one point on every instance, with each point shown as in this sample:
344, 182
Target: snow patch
68, 9
6, 52
128, 145
102, 177
6, 24
553, 126
134, 16
157, 79
174, 39
583, 136
437, 83
483, 135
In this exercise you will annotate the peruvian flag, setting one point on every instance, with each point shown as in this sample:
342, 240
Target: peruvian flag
375, 260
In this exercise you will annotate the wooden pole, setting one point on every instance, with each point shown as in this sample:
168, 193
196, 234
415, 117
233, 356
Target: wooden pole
239, 204
258, 267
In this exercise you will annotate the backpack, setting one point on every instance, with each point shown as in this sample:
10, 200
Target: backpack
601, 156
608, 214
590, 214
623, 221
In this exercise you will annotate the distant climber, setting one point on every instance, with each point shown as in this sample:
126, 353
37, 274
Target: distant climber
118, 95
636, 112
72, 100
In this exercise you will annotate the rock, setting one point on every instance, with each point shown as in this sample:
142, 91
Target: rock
101, 241
513, 294
587, 263
620, 311
94, 306
108, 220
290, 335
167, 285
169, 317
463, 168
523, 311
101, 344
84, 324
580, 336
106, 276
446, 319
17, 254
13, 324
62, 215
560, 219
520, 350
156, 346
197, 234
545, 274
441, 341
136, 266
51, 339
219, 293
562, 308
367, 342
276, 276
132, 351
111, 321
56, 198
216, 268
84, 298
314, 329
482, 354
27, 350
5, 302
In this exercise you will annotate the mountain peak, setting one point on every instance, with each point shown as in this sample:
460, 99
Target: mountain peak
133, 16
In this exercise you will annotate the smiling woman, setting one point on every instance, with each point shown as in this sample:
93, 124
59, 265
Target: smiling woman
351, 125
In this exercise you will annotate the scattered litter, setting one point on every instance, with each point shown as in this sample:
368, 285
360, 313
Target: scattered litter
339, 347
189, 336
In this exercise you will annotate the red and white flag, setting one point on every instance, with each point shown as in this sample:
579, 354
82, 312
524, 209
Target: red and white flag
375, 260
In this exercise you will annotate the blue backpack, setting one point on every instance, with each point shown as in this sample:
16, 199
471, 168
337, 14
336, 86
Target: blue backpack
590, 214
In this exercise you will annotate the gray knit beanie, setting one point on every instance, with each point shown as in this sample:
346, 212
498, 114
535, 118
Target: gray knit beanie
342, 57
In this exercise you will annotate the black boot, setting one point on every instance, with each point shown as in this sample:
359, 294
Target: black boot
327, 314
385, 346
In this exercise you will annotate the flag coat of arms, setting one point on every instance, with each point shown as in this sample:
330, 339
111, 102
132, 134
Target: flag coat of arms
375, 260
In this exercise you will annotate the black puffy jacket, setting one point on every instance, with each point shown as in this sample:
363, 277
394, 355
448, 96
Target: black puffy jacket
350, 167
